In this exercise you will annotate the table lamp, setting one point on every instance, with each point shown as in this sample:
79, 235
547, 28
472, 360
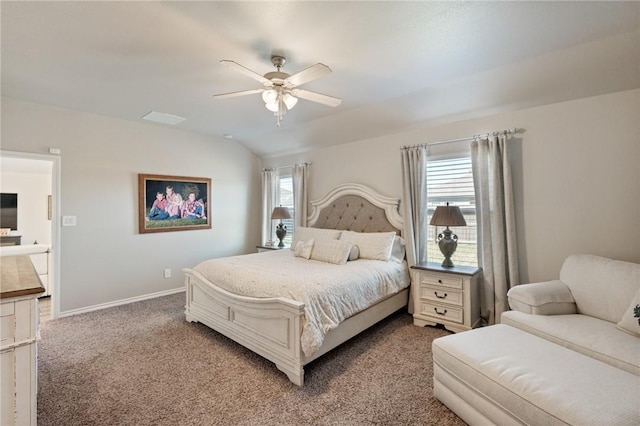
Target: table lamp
281, 230
447, 240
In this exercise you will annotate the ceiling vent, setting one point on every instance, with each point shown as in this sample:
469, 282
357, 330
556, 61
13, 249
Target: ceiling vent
161, 117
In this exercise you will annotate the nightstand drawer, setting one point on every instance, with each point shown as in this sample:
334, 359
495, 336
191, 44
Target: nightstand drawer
441, 280
440, 294
448, 313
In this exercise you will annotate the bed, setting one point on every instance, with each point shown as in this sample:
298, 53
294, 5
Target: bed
282, 326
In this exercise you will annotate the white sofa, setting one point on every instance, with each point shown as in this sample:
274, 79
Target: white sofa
567, 353
583, 310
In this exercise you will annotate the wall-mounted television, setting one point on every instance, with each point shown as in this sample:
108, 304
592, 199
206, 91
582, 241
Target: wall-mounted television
9, 211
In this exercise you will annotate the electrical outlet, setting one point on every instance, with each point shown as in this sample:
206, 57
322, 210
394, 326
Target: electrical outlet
167, 273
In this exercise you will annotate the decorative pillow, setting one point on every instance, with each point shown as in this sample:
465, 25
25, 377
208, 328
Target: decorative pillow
331, 251
398, 249
303, 233
630, 321
354, 254
303, 248
372, 245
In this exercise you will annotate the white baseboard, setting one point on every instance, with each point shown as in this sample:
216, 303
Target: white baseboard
120, 302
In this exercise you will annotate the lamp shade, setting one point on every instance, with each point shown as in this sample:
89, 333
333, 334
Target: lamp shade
448, 216
272, 106
269, 96
289, 101
280, 213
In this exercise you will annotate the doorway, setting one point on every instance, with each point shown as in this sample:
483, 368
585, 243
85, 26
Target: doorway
30, 175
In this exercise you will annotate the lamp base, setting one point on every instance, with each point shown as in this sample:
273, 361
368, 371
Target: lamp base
448, 242
281, 232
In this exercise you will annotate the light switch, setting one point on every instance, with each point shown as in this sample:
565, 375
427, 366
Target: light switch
68, 221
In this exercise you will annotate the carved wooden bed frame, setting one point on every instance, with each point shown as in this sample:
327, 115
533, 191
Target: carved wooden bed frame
271, 327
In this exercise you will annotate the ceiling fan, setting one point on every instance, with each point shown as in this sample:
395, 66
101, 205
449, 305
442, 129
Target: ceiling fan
280, 90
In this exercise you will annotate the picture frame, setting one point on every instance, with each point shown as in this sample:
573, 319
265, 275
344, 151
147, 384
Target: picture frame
173, 203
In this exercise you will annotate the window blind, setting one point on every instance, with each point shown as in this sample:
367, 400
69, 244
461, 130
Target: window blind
451, 180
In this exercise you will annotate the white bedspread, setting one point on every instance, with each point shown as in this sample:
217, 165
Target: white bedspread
331, 293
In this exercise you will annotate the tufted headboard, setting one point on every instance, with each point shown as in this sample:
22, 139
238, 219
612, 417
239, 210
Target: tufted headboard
357, 208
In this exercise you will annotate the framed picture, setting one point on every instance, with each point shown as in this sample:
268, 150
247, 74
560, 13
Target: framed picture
173, 203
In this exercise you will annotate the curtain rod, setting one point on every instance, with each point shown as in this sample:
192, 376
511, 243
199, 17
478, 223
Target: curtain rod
468, 138
308, 163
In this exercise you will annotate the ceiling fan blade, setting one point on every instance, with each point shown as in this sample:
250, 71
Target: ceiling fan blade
246, 71
307, 74
317, 97
240, 93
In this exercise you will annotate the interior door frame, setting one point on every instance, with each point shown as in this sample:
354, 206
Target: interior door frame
55, 220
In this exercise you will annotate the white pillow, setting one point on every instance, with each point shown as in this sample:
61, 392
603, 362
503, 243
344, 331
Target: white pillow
398, 249
302, 233
354, 254
629, 322
372, 245
331, 251
303, 248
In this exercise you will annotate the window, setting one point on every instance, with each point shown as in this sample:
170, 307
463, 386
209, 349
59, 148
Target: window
451, 180
284, 198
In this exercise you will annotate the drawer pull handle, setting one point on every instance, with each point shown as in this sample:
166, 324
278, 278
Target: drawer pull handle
440, 281
440, 313
440, 297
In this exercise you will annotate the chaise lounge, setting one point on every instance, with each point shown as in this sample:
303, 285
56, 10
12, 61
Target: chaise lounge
567, 353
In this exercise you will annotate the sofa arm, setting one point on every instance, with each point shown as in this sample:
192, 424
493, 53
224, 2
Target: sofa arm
546, 298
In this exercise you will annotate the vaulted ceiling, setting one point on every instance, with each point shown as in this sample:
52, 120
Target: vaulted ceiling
396, 65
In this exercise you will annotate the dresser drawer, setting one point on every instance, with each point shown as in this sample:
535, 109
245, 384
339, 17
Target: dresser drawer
7, 323
7, 308
441, 294
448, 313
18, 321
8, 330
441, 280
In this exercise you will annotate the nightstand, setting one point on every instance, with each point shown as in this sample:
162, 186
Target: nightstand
447, 296
268, 248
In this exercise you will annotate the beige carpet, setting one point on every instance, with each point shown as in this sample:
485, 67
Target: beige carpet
143, 364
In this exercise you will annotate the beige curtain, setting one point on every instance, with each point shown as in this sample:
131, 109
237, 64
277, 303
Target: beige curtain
414, 204
497, 251
268, 203
300, 194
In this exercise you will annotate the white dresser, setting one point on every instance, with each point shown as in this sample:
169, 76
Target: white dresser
447, 296
19, 289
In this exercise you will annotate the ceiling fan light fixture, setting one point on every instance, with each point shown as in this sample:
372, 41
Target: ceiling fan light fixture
269, 96
289, 100
272, 106
279, 89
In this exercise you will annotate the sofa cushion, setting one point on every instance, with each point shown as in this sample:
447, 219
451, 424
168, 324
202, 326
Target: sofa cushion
548, 298
530, 380
601, 287
588, 335
630, 322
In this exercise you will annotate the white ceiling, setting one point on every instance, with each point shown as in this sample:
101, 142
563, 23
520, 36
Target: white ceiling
396, 65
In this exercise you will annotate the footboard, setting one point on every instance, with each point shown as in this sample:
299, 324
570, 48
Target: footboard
271, 327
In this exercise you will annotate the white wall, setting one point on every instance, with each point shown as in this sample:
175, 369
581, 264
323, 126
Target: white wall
576, 172
33, 190
104, 258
